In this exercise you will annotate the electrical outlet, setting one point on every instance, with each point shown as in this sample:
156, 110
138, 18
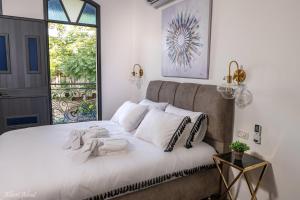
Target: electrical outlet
243, 134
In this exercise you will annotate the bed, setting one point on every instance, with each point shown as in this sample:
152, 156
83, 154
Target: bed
34, 166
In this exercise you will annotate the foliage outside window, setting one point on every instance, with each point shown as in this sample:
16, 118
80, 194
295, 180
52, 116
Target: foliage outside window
73, 53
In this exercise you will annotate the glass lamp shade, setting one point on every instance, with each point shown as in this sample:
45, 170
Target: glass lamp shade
243, 97
228, 91
138, 81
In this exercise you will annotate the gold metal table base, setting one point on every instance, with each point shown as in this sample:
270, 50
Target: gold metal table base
241, 172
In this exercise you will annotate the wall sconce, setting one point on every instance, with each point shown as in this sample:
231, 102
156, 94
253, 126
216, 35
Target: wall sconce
234, 87
137, 75
137, 71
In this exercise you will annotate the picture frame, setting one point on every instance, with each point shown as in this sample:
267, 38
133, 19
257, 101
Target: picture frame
186, 34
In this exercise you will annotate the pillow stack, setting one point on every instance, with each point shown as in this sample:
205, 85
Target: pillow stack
162, 124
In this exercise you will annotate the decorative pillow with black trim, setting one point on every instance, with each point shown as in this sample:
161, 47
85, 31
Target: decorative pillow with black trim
195, 131
162, 129
198, 131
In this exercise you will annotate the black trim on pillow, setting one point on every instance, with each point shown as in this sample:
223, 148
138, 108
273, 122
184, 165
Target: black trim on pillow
194, 130
150, 183
177, 134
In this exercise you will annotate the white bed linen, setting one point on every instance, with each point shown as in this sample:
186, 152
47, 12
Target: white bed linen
34, 164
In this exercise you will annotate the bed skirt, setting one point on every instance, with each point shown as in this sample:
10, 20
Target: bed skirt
192, 184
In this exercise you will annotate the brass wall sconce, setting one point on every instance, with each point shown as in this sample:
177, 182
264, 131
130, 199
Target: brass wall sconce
137, 71
137, 75
239, 75
234, 87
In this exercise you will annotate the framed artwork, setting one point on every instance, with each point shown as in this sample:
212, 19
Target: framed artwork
186, 39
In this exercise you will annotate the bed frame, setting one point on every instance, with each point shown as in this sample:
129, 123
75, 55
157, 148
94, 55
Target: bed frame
195, 97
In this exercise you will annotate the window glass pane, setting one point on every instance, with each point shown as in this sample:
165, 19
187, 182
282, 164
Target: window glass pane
73, 8
16, 121
33, 59
3, 54
56, 11
88, 15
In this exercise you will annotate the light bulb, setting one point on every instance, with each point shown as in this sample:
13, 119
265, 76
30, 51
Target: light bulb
243, 97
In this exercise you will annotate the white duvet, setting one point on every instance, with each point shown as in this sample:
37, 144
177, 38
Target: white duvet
33, 164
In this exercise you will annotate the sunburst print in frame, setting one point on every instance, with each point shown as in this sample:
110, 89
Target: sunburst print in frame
186, 39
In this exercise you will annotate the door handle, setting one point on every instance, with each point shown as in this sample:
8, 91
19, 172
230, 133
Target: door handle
3, 94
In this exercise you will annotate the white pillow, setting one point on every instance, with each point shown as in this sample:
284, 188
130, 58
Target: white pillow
130, 115
154, 105
162, 129
195, 131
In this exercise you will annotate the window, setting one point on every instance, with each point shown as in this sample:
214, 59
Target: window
21, 121
4, 54
88, 16
33, 58
72, 11
56, 11
70, 21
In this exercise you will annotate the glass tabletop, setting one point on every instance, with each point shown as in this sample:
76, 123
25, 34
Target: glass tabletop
247, 160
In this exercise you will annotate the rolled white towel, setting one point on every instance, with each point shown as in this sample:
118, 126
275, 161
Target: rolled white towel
89, 148
100, 147
74, 141
111, 145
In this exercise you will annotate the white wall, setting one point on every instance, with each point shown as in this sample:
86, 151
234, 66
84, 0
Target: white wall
24, 8
118, 56
264, 37
117, 36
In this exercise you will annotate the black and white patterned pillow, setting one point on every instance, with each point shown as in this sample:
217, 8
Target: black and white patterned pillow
177, 134
194, 130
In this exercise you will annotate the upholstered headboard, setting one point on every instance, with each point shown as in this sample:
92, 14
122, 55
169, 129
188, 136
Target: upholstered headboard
201, 98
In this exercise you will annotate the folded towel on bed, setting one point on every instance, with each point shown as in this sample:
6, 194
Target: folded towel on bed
111, 145
100, 147
78, 137
95, 132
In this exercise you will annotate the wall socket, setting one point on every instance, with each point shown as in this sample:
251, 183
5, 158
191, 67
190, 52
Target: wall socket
257, 134
243, 134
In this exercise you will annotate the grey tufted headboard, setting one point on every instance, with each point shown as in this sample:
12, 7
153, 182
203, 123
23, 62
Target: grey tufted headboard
201, 98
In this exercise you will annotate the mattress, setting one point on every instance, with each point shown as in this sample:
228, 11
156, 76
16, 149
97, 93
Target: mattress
33, 165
